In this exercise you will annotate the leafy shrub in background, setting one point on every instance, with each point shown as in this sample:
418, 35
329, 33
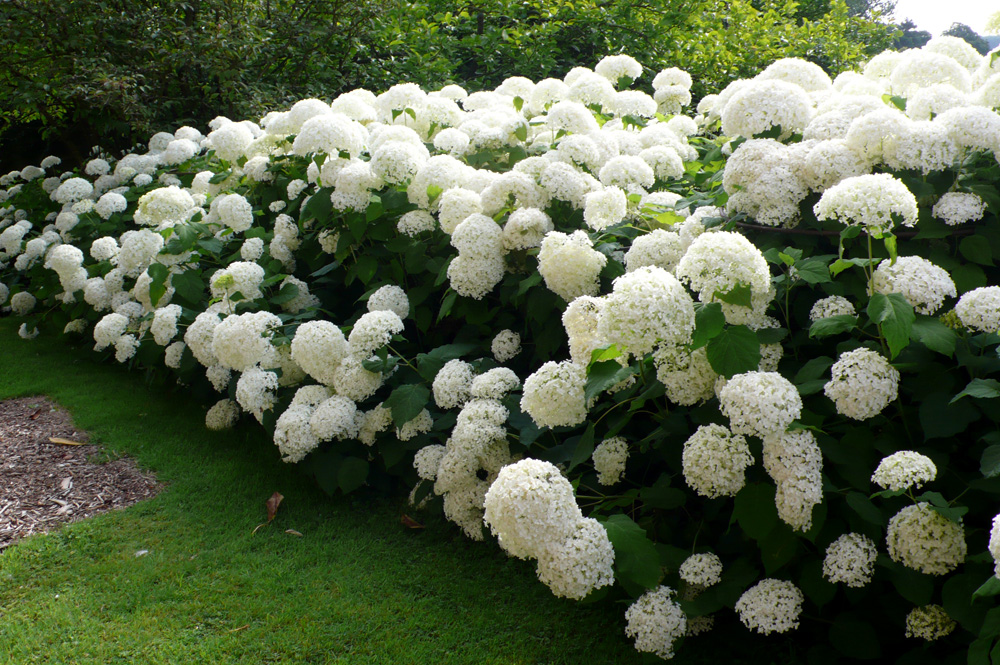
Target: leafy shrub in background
740, 360
111, 73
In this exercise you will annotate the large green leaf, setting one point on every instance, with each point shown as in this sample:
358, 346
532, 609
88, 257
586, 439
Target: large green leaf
406, 402
428, 364
733, 351
833, 325
584, 448
935, 335
352, 474
189, 286
603, 375
981, 388
158, 286
708, 323
637, 564
755, 511
895, 317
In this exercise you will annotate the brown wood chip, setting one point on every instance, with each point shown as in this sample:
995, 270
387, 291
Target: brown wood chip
44, 485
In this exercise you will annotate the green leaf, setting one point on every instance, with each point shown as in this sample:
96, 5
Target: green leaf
219, 177
813, 369
189, 286
366, 268
428, 364
602, 353
406, 402
287, 293
833, 325
158, 286
211, 245
521, 132
814, 270
735, 350
319, 206
433, 191
865, 509
940, 419
754, 510
637, 564
981, 388
989, 465
935, 335
518, 103
352, 474
974, 249
739, 295
661, 495
913, 586
989, 589
708, 323
603, 375
584, 448
894, 317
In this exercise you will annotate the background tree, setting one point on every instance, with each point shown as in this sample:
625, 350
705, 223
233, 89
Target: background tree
909, 37
963, 31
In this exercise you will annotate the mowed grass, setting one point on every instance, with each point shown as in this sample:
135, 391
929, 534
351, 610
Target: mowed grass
356, 587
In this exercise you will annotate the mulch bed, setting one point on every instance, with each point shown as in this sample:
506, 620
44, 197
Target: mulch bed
45, 484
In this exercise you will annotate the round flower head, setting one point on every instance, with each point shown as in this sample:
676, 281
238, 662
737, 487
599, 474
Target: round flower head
255, 391
657, 248
850, 559
874, 202
390, 298
530, 507
656, 621
581, 563
318, 348
687, 377
617, 67
427, 460
334, 418
979, 309
554, 394
761, 105
862, 383
771, 606
903, 470
453, 384
505, 345
994, 546
702, 570
795, 463
959, 208
923, 284
604, 208
714, 461
570, 265
760, 403
241, 341
925, 540
717, 263
609, 460
222, 415
646, 308
824, 308
930, 622
72, 190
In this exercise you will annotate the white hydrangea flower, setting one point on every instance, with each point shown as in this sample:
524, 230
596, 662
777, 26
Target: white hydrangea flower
138, 250
241, 341
721, 261
335, 417
72, 190
223, 415
390, 298
255, 391
319, 347
24, 333
452, 384
331, 134
862, 383
903, 470
760, 403
243, 277
605, 208
959, 208
293, 435
412, 224
107, 330
850, 559
656, 621
505, 345
714, 461
455, 205
771, 606
125, 347
795, 463
252, 249
925, 540
609, 458
570, 265
554, 394
494, 384
702, 570
994, 546
352, 380
930, 622
530, 507
657, 248
616, 67
979, 309
164, 325
234, 211
646, 308
373, 331
525, 228
825, 308
870, 201
761, 105
427, 460
109, 204
219, 376
687, 377
580, 564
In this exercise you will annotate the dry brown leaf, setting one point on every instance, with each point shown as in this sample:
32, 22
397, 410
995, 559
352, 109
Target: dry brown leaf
65, 442
410, 523
272, 505
293, 532
236, 630
34, 414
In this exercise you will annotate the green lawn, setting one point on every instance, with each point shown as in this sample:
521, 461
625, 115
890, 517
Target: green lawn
357, 587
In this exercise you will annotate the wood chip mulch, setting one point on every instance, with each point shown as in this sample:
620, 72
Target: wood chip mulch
45, 484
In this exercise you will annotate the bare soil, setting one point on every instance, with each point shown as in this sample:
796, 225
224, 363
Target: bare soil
44, 484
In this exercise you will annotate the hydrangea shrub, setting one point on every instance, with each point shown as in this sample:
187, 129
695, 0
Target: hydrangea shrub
739, 364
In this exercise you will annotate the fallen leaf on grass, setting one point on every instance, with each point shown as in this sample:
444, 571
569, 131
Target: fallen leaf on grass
236, 630
293, 532
65, 442
272, 505
410, 523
